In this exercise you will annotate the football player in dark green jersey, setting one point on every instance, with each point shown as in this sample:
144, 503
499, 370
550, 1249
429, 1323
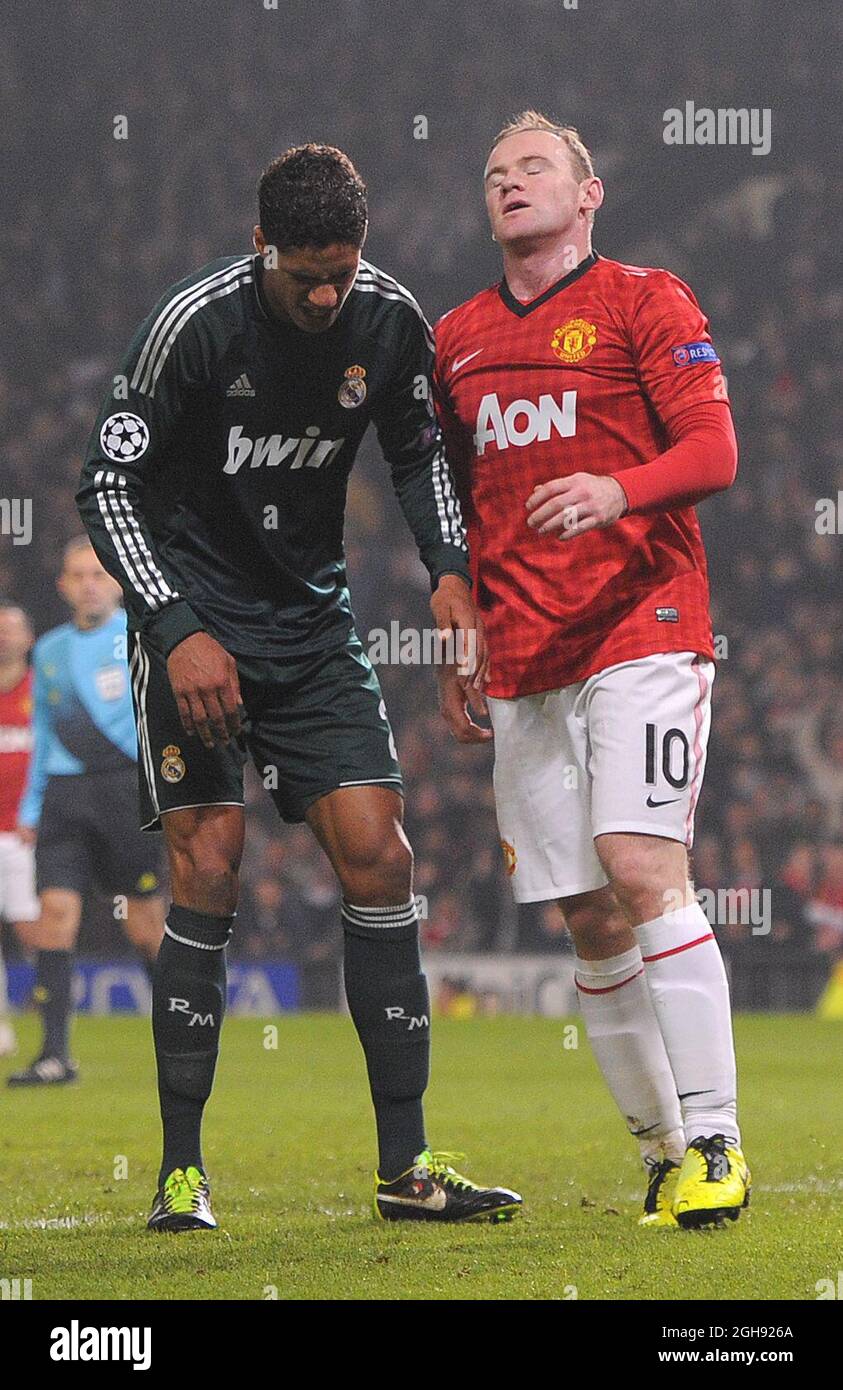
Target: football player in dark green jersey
214, 490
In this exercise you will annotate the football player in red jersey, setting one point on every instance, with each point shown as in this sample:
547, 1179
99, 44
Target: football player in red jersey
585, 413
18, 899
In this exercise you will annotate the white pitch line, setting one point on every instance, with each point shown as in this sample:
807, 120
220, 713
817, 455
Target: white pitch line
54, 1223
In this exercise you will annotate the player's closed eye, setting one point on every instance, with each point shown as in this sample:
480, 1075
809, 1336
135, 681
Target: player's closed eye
497, 179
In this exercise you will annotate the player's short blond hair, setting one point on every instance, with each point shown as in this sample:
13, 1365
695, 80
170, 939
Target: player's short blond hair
536, 120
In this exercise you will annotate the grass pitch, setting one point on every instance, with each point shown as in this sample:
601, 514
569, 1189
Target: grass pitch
289, 1145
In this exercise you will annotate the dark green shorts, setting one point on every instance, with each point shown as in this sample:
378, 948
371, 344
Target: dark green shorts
314, 723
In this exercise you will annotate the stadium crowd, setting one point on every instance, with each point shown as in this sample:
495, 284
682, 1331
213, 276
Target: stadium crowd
99, 226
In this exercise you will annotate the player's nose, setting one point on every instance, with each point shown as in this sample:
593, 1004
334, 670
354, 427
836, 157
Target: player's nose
510, 182
323, 297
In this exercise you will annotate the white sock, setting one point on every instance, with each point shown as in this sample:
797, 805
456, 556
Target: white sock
627, 1043
690, 992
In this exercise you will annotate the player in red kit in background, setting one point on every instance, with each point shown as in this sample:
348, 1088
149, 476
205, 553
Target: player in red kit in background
18, 899
585, 413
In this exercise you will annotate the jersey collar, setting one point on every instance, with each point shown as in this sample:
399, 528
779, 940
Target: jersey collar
522, 310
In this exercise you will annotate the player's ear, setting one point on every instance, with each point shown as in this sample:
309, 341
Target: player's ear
258, 241
591, 195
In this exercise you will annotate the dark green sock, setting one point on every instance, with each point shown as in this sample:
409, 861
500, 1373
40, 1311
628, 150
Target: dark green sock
188, 1003
388, 1001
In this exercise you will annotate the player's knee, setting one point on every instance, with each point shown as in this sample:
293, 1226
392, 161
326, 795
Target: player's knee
639, 893
204, 853
205, 875
377, 868
597, 924
640, 868
600, 938
59, 921
206, 882
640, 877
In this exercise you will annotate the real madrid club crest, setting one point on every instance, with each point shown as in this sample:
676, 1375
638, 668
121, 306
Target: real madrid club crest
574, 340
172, 767
352, 392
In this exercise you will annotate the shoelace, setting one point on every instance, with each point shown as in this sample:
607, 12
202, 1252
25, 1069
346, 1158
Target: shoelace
440, 1166
655, 1188
714, 1141
713, 1151
180, 1187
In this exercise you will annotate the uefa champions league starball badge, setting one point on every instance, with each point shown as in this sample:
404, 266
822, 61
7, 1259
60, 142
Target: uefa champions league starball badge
352, 392
124, 437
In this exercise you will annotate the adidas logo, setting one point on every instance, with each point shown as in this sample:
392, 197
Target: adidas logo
241, 387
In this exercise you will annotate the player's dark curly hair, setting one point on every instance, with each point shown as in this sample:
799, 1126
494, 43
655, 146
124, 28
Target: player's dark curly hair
312, 195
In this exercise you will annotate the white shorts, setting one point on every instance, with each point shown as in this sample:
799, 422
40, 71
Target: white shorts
623, 750
18, 899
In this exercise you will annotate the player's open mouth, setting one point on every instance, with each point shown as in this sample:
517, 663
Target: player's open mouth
514, 207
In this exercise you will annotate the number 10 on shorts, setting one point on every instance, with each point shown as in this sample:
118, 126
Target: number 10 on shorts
672, 749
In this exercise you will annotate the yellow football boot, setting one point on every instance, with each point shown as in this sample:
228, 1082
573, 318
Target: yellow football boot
661, 1190
713, 1183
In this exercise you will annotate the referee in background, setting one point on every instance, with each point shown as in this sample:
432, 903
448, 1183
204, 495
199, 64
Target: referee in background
80, 798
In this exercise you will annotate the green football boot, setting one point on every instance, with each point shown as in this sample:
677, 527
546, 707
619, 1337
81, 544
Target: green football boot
183, 1203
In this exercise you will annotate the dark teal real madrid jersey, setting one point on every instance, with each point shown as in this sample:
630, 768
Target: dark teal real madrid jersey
214, 483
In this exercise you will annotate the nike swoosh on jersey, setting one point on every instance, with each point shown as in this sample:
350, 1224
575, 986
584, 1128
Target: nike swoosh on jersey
461, 361
671, 799
437, 1200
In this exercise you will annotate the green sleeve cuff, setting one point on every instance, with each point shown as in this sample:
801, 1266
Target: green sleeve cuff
172, 625
454, 561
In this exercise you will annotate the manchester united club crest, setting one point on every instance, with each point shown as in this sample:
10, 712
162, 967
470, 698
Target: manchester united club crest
574, 340
172, 766
509, 858
352, 392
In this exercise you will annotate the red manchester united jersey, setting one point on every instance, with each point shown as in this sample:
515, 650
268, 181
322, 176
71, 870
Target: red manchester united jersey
15, 748
593, 376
